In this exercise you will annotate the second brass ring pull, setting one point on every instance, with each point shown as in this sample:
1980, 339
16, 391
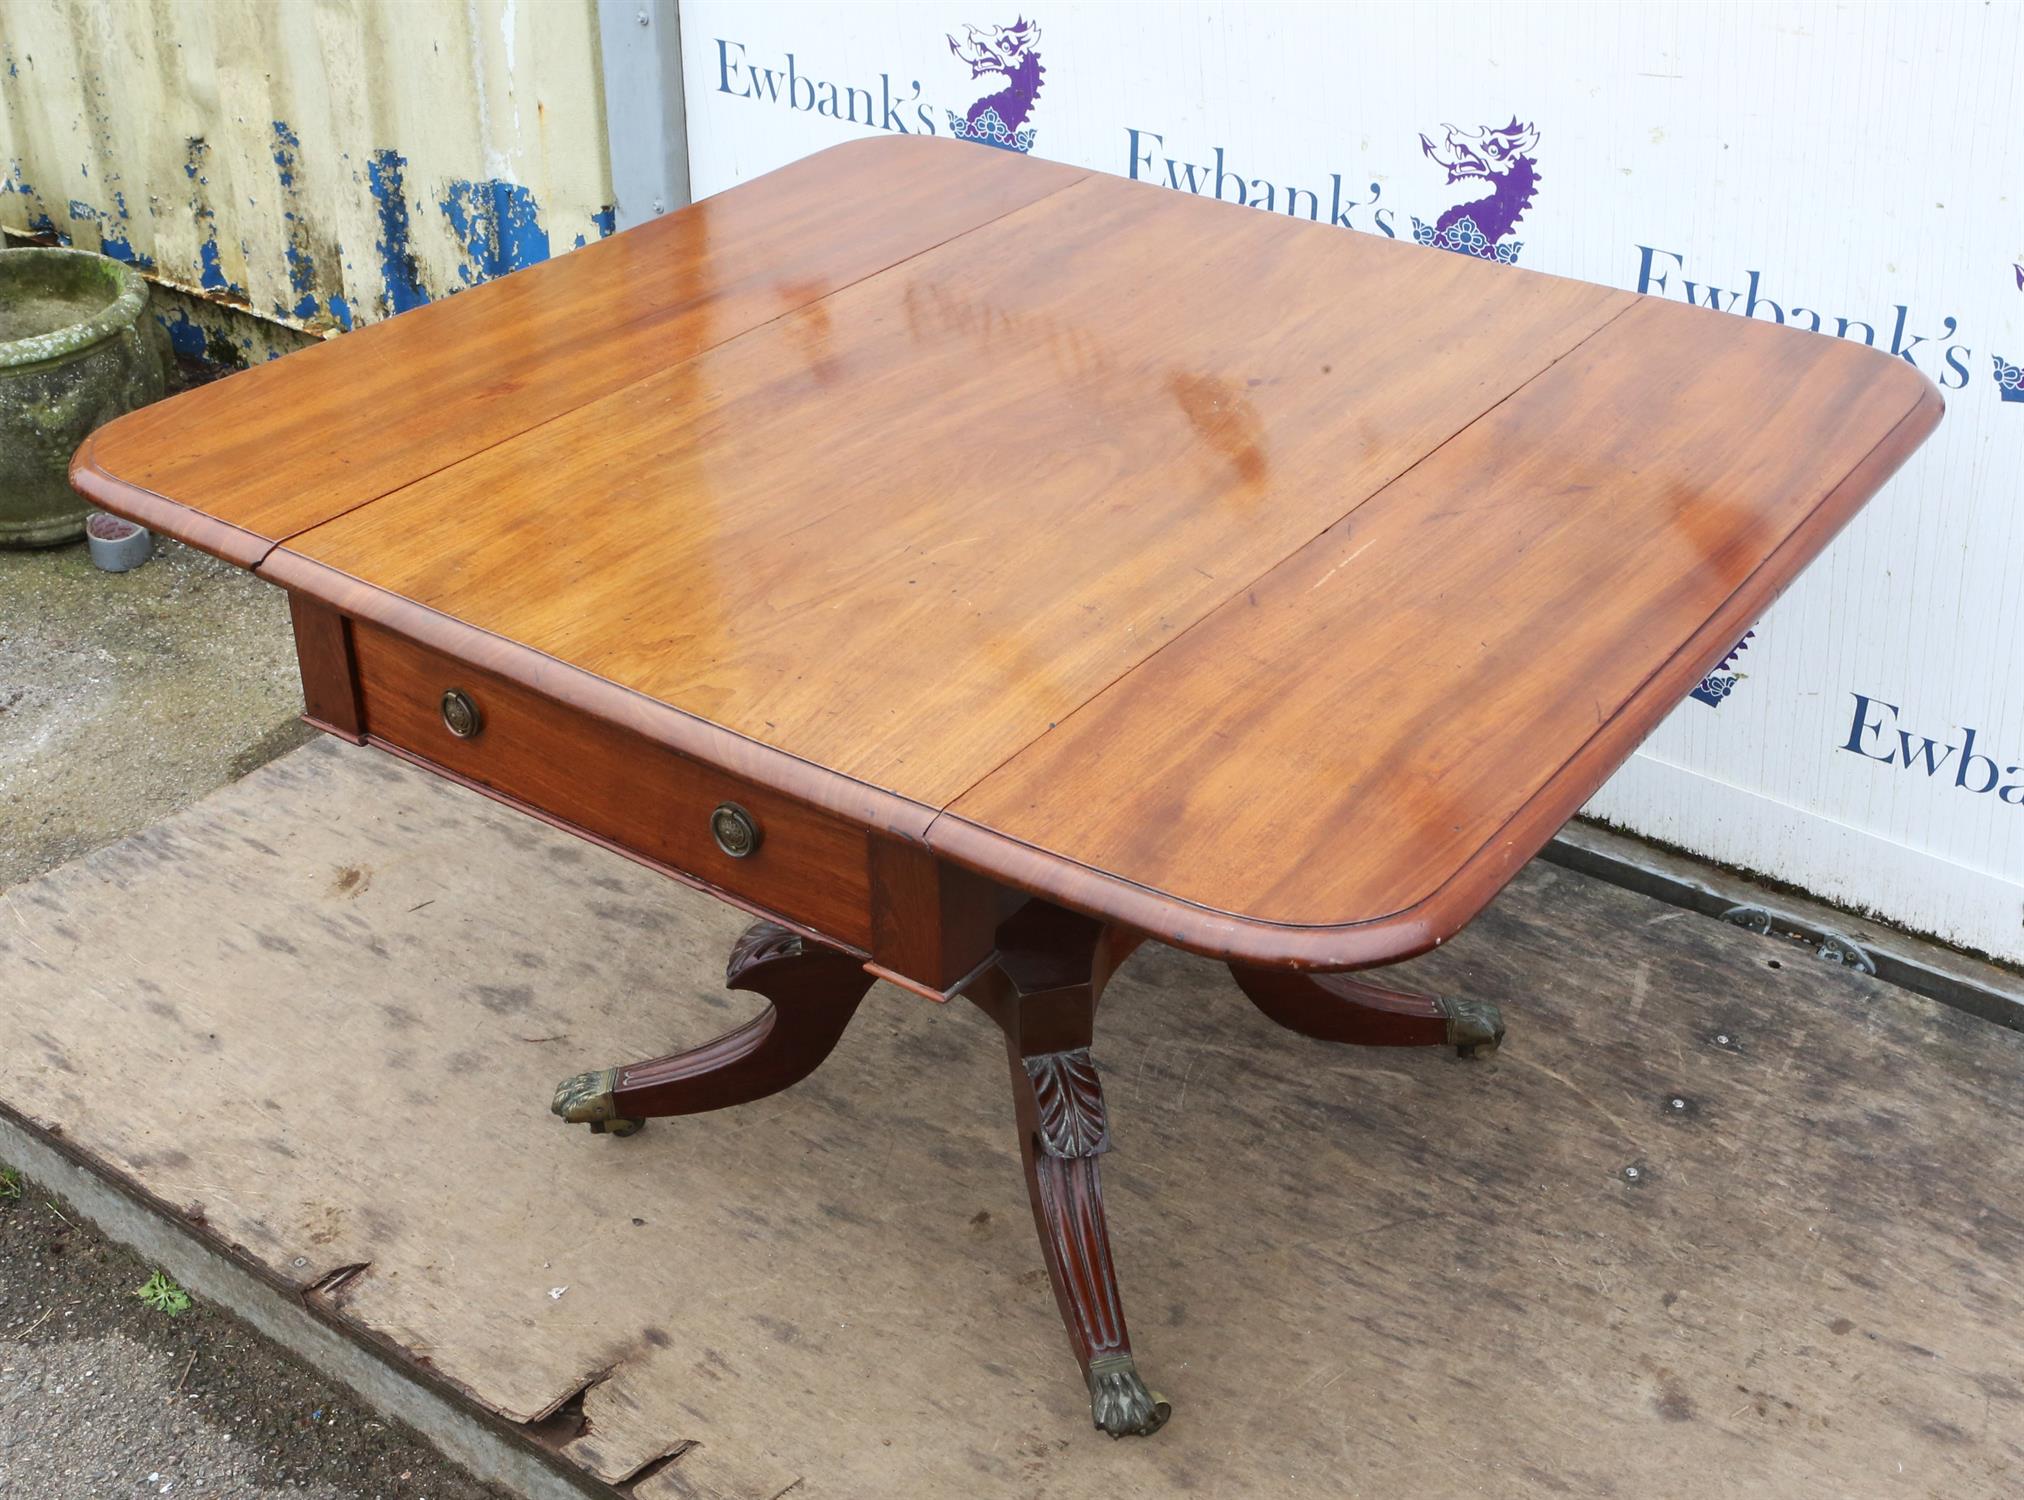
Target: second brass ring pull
460, 714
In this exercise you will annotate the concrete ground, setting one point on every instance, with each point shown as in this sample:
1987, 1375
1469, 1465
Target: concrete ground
124, 698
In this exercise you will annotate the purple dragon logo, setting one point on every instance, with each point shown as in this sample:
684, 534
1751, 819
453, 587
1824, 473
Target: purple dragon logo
1721, 682
1008, 52
1497, 168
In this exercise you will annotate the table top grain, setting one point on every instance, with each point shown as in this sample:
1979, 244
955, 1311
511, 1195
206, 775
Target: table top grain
1273, 589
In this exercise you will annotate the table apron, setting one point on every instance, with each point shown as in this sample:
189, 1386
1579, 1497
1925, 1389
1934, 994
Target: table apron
920, 921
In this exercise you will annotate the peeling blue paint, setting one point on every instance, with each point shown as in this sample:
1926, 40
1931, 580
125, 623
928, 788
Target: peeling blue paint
213, 345
39, 221
301, 271
210, 261
211, 271
114, 243
112, 238
80, 213
301, 281
286, 144
606, 220
185, 337
499, 225
302, 277
496, 225
402, 277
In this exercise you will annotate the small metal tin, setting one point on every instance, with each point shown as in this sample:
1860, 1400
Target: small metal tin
117, 545
734, 830
460, 714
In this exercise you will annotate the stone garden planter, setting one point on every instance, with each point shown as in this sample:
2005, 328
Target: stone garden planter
76, 350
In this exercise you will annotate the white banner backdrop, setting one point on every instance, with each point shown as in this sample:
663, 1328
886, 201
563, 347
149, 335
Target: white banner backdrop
1855, 169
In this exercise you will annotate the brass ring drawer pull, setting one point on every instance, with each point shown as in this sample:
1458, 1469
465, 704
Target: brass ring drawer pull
734, 830
460, 714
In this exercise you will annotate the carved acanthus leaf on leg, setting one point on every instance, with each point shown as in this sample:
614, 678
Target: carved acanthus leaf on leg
761, 943
1073, 1120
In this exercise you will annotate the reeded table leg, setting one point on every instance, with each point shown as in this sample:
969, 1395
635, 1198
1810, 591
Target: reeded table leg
1337, 1008
1051, 969
813, 991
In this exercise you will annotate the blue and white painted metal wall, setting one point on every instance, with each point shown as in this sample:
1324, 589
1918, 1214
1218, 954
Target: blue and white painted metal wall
284, 170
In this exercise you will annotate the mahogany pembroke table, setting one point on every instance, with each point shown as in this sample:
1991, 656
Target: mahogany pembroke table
975, 567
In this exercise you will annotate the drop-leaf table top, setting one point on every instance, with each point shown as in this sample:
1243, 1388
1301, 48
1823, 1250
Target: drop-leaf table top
1274, 589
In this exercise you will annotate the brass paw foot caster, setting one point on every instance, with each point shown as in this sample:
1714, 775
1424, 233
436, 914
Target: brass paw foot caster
1475, 1027
1119, 1402
587, 1099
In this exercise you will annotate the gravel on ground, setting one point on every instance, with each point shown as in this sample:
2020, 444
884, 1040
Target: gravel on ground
102, 1395
126, 696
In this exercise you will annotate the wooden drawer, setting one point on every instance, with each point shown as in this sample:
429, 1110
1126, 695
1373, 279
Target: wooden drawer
616, 785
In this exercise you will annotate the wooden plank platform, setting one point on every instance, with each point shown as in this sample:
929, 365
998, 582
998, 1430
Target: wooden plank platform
322, 1011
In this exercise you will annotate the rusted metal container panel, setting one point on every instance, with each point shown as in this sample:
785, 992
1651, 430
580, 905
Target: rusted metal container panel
312, 165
